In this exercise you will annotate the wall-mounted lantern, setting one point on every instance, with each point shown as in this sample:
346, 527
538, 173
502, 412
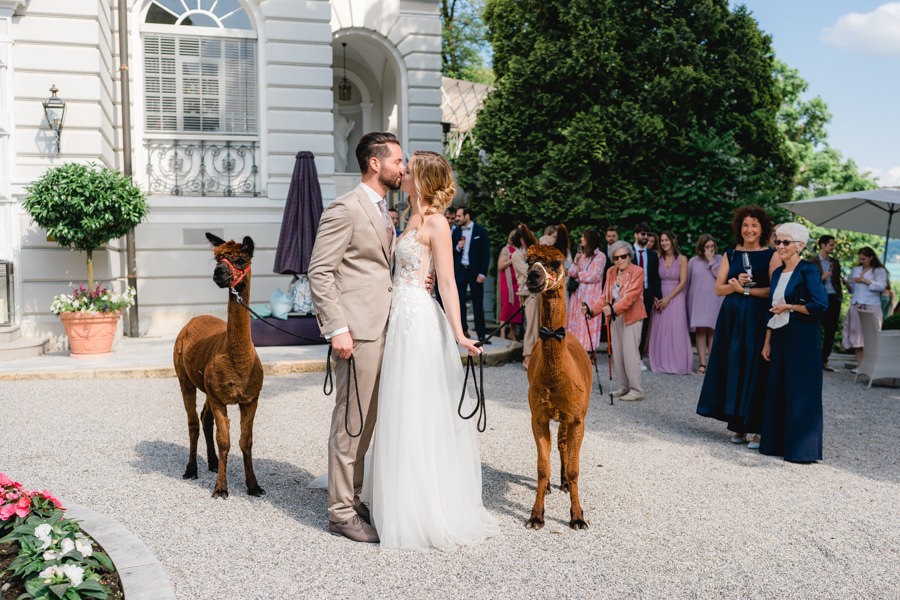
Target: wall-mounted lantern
55, 110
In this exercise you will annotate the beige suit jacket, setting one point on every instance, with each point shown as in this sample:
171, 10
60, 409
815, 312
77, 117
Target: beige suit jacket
350, 272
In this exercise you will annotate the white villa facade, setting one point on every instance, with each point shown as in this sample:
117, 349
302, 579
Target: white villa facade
224, 93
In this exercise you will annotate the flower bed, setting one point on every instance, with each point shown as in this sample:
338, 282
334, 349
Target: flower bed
45, 556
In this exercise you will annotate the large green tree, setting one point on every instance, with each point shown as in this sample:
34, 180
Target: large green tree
622, 110
463, 41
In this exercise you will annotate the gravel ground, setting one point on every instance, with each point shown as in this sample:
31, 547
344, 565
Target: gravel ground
675, 510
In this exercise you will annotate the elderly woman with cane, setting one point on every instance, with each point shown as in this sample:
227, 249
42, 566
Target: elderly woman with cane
622, 304
792, 412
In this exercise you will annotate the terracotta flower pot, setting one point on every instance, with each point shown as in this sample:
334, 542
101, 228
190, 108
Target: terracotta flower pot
90, 334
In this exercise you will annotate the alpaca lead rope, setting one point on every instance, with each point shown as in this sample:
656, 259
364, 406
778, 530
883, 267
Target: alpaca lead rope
480, 404
328, 386
480, 407
591, 340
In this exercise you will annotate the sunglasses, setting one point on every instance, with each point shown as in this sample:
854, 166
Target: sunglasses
785, 242
620, 257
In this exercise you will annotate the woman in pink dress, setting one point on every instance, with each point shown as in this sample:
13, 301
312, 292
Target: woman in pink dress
670, 338
703, 302
509, 287
587, 269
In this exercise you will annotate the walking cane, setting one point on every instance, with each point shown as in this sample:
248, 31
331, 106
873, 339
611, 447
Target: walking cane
609, 355
591, 340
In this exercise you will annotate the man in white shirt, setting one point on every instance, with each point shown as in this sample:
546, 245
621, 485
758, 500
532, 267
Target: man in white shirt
471, 257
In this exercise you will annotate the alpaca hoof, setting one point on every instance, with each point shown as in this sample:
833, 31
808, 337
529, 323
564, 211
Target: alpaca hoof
578, 524
213, 466
549, 489
190, 473
534, 523
564, 487
256, 491
220, 494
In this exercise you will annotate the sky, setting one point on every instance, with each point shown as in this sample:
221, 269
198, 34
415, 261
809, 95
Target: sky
849, 52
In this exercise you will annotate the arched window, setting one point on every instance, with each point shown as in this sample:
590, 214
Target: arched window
200, 68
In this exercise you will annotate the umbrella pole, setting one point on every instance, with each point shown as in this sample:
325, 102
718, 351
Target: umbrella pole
887, 237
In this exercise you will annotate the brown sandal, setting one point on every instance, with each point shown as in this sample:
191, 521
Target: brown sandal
700, 370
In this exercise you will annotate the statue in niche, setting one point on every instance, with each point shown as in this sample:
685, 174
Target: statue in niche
342, 128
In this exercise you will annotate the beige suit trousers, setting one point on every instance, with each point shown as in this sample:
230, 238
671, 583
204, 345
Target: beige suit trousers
626, 355
345, 453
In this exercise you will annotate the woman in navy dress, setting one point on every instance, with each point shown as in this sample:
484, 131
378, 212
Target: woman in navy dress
732, 388
792, 413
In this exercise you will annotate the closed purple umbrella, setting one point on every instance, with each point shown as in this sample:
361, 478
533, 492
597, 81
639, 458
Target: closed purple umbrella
302, 211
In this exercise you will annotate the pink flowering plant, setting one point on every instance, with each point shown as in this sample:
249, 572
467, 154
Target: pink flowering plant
55, 559
98, 300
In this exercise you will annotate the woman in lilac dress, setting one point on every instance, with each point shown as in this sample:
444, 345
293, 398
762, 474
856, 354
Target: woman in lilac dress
703, 302
670, 338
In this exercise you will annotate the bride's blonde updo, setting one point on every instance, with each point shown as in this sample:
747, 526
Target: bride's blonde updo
433, 177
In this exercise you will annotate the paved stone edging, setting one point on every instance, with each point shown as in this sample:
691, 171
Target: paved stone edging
141, 575
271, 368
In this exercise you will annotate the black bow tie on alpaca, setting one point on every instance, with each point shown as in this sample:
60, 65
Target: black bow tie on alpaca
546, 333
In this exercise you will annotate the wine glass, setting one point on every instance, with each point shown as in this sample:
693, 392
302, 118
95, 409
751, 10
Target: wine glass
748, 269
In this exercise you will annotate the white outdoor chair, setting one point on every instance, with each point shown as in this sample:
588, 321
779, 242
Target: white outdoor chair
881, 350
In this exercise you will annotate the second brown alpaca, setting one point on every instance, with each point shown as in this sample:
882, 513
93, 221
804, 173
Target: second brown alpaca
559, 384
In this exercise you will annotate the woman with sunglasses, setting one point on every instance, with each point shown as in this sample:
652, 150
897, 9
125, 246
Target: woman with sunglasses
732, 387
792, 413
622, 306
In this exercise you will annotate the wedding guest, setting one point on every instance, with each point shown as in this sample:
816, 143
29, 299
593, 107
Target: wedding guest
732, 389
703, 302
587, 271
792, 414
612, 236
867, 280
647, 259
653, 242
471, 257
670, 337
509, 287
395, 219
523, 240
622, 303
549, 237
830, 270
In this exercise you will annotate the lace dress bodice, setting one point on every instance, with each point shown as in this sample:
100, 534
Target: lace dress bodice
412, 261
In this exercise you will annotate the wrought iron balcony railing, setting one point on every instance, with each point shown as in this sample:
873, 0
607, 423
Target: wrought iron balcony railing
202, 168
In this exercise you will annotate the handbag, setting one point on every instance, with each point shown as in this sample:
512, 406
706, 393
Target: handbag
571, 285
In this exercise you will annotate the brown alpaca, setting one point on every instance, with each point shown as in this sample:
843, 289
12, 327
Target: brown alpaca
559, 384
219, 359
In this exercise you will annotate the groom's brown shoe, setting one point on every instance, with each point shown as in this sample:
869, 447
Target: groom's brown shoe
363, 511
355, 529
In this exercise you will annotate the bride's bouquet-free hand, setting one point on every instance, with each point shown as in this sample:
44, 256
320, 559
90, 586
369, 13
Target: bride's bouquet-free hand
98, 300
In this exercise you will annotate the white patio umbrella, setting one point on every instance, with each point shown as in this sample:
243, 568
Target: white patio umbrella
869, 211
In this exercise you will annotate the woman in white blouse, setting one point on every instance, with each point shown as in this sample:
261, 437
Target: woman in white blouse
867, 280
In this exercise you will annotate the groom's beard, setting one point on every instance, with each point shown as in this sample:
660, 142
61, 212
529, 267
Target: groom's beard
391, 184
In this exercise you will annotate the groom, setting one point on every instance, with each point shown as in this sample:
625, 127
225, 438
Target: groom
350, 279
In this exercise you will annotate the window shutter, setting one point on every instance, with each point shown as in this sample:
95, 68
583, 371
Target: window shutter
200, 84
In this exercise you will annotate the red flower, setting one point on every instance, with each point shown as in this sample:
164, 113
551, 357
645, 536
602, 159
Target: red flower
7, 511
47, 495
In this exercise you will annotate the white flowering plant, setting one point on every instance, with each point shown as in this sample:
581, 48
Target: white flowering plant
98, 300
55, 559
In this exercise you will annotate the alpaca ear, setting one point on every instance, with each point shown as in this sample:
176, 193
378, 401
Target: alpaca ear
214, 240
247, 246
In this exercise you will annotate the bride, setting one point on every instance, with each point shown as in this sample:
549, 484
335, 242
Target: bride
425, 474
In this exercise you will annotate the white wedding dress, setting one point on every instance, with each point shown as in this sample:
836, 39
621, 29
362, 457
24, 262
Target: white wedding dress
423, 480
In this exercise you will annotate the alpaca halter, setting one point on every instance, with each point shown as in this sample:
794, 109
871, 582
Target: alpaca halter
547, 286
234, 269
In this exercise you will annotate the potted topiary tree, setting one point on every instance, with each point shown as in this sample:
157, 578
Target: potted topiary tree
84, 207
